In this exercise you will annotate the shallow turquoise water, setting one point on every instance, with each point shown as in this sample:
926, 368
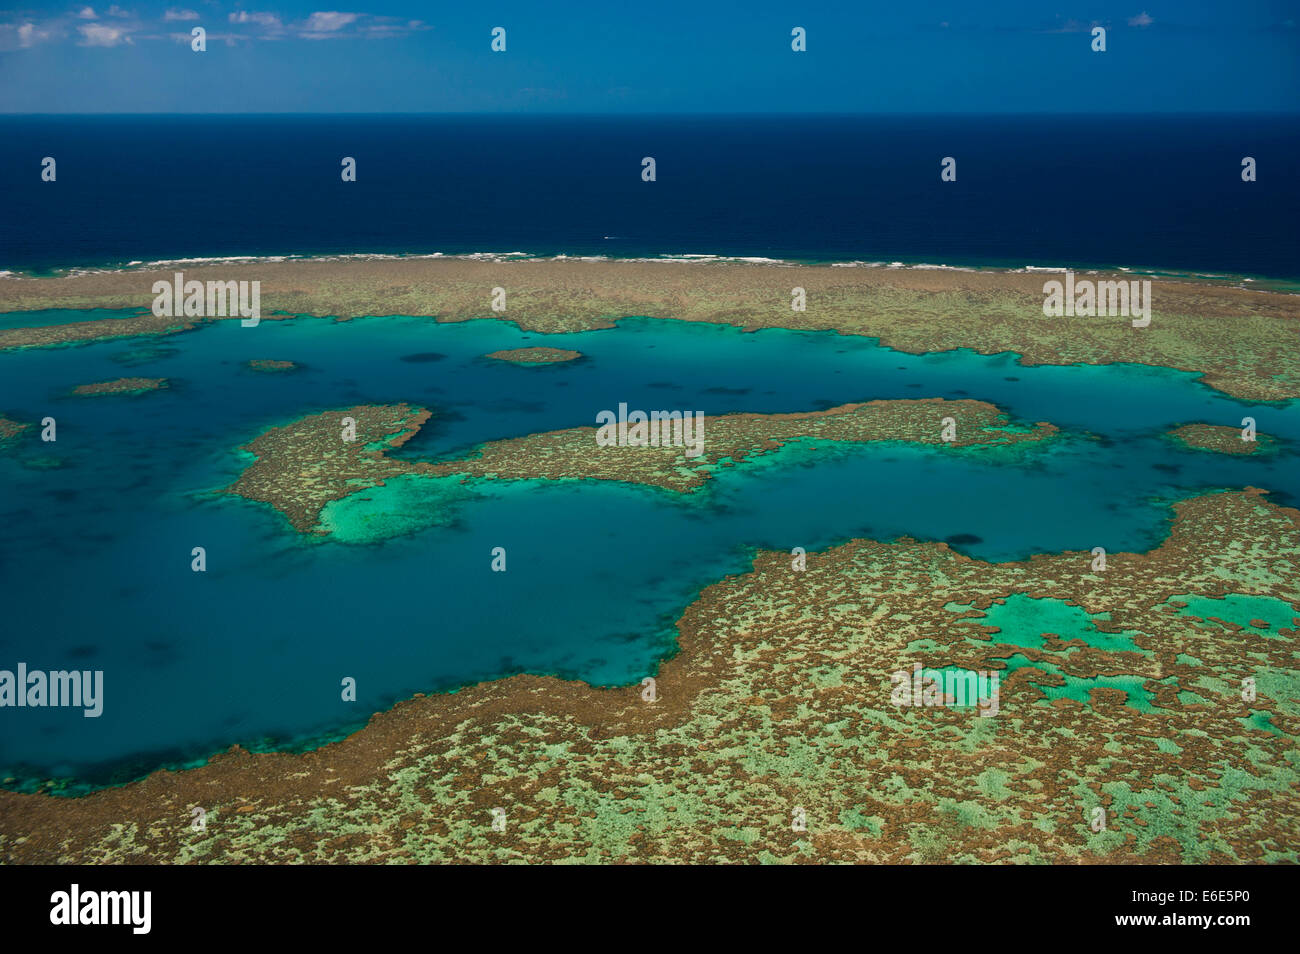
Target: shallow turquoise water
1024, 621
1235, 608
1079, 689
95, 557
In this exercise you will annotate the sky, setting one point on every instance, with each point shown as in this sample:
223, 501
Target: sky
652, 56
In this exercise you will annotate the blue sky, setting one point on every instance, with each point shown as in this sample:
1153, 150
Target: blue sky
651, 56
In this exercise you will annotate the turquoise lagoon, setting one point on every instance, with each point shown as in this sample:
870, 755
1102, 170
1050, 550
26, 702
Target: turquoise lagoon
98, 527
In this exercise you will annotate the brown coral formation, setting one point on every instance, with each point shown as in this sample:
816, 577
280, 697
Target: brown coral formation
271, 365
9, 430
120, 386
1239, 339
535, 355
302, 466
1220, 439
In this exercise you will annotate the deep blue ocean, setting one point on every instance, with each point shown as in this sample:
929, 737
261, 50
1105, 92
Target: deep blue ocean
1161, 192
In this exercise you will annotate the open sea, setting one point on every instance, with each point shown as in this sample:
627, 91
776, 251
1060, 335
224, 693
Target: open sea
1158, 192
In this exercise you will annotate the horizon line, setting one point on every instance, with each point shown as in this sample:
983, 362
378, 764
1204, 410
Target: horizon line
575, 114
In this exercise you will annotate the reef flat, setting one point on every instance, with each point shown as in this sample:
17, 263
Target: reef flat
1220, 439
1125, 730
120, 386
1239, 339
535, 355
80, 332
9, 430
731, 439
302, 466
271, 365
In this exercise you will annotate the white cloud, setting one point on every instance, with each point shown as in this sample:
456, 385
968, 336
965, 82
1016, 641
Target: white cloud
269, 20
328, 22
1141, 20
25, 34
89, 28
326, 25
98, 34
29, 35
382, 27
